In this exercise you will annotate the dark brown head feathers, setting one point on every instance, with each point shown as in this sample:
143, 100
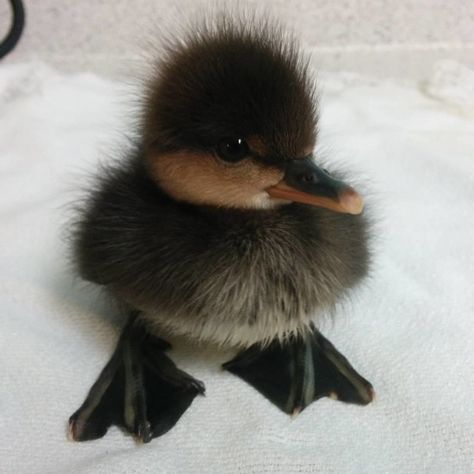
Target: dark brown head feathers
231, 78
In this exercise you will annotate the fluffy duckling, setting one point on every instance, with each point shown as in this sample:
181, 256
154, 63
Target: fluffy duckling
221, 227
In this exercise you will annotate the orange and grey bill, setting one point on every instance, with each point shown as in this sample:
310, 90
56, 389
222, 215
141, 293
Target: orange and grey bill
347, 201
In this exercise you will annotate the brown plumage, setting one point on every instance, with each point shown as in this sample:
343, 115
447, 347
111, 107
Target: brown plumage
202, 231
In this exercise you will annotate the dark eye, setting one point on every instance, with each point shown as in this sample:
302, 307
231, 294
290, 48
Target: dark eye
232, 149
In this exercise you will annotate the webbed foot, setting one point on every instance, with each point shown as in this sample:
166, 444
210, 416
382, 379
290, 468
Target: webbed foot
140, 389
299, 371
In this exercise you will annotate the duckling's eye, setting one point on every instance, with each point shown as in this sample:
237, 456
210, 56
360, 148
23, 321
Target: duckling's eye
232, 149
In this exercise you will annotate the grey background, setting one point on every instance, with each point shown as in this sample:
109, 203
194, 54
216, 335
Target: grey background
401, 38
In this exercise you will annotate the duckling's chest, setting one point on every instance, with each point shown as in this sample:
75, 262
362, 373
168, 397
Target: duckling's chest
244, 278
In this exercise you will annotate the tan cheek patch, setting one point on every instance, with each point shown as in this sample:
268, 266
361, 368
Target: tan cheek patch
257, 145
307, 151
202, 179
260, 148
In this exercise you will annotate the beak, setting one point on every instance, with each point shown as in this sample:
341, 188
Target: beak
304, 182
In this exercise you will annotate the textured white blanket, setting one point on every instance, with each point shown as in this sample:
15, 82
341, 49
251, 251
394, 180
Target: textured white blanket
410, 330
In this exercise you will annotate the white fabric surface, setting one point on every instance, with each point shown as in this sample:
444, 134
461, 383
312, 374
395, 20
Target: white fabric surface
410, 330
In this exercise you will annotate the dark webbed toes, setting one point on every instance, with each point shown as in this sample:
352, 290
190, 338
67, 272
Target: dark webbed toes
103, 404
140, 390
295, 373
337, 378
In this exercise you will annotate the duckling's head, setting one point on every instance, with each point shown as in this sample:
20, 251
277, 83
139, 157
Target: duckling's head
231, 121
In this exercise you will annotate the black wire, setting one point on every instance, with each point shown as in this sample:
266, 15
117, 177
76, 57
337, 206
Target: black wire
16, 28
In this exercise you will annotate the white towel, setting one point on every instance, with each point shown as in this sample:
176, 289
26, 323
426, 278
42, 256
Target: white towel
410, 330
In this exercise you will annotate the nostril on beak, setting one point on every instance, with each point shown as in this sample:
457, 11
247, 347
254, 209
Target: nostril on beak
306, 177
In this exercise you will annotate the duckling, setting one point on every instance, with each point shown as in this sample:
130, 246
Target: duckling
220, 226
